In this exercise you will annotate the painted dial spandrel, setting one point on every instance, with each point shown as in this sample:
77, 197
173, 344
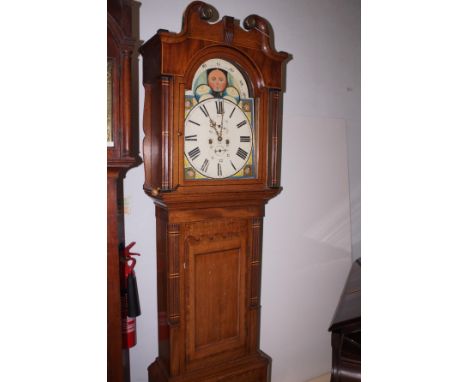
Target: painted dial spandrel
218, 138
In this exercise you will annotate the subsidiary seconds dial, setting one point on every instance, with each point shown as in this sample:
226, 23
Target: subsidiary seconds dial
218, 138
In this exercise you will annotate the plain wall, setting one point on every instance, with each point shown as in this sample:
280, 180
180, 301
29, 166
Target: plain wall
312, 229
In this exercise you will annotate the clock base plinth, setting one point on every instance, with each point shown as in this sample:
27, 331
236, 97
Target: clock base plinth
248, 369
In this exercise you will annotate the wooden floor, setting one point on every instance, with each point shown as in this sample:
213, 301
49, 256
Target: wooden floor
322, 378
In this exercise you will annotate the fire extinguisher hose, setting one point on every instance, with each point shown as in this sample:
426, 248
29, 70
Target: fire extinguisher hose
133, 300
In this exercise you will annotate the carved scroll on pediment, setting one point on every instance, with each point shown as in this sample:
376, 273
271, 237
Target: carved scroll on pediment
257, 30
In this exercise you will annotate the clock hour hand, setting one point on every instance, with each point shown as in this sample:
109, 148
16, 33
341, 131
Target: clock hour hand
213, 125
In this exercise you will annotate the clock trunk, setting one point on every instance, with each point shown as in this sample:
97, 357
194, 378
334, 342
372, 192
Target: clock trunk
208, 293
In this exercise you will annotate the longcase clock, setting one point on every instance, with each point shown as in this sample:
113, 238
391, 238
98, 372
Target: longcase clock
122, 154
211, 152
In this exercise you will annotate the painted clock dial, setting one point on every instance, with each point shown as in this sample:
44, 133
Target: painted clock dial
219, 134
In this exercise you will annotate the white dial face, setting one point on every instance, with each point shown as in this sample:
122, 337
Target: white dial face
218, 138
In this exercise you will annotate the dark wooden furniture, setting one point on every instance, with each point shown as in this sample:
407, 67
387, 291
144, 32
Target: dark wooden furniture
346, 330
209, 230
122, 154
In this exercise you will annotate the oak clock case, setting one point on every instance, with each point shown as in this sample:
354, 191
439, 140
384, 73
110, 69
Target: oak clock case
212, 154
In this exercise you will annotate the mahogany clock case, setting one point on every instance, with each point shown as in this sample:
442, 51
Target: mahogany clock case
170, 62
122, 154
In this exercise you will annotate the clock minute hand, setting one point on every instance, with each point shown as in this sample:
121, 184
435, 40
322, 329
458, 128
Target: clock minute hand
221, 125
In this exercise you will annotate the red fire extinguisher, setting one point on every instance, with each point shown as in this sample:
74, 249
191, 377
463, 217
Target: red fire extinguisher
130, 300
